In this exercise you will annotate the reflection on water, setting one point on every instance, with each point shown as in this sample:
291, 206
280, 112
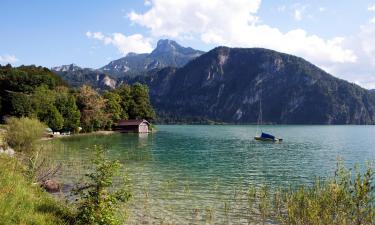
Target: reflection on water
200, 172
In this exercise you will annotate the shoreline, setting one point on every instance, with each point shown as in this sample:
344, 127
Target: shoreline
101, 132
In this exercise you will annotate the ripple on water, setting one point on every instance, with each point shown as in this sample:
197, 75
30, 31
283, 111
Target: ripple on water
184, 173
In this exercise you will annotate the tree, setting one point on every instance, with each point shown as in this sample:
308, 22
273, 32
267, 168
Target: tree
92, 106
53, 118
66, 105
44, 105
113, 107
20, 104
140, 106
126, 99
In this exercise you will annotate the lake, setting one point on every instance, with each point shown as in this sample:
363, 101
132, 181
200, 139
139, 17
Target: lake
183, 173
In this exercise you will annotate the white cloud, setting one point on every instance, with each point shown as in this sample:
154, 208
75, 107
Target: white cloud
363, 45
8, 59
125, 44
174, 18
371, 7
235, 24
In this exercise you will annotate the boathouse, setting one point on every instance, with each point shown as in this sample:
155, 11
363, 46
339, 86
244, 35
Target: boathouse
133, 126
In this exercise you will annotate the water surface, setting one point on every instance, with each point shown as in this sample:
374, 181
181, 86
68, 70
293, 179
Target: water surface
182, 172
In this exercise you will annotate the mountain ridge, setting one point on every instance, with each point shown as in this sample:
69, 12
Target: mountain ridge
167, 53
226, 84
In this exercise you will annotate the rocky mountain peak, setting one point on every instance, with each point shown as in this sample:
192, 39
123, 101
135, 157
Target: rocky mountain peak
65, 68
166, 45
167, 53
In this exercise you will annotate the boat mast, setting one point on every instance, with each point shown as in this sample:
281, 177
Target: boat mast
260, 113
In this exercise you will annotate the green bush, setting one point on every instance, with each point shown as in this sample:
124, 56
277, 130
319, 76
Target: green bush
22, 133
97, 204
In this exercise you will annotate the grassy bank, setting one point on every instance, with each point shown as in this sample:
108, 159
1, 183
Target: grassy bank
24, 203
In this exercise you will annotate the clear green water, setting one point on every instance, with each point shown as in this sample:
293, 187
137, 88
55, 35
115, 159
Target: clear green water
184, 173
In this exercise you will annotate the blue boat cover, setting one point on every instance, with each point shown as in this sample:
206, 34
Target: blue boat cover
265, 135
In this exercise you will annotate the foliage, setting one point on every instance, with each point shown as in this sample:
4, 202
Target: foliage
98, 205
343, 199
140, 107
135, 102
66, 104
113, 107
24, 203
22, 133
44, 105
27, 78
126, 100
29, 91
20, 104
92, 106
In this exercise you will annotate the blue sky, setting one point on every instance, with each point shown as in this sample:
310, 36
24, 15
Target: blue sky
335, 35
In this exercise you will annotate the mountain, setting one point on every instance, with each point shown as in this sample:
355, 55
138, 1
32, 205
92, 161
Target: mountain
227, 84
167, 53
77, 76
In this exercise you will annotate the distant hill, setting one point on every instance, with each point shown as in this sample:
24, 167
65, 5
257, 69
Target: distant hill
167, 53
77, 76
227, 84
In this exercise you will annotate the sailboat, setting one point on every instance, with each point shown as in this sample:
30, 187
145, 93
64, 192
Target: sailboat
264, 136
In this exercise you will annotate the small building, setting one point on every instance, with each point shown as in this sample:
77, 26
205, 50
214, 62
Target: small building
133, 126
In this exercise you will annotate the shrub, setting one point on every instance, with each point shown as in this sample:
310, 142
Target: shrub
97, 204
343, 199
346, 198
22, 133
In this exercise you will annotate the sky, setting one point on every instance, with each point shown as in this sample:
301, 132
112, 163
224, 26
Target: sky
336, 35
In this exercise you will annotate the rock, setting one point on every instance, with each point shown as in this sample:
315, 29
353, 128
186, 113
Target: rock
51, 186
8, 151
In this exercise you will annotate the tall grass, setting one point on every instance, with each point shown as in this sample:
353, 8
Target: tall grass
23, 203
346, 198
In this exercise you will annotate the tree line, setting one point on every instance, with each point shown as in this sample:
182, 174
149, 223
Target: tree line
30, 91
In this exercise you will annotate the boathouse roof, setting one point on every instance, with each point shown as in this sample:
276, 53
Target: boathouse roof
132, 122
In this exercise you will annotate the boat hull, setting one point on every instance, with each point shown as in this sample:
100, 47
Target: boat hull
268, 139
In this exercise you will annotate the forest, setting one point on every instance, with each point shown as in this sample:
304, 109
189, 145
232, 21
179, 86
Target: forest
36, 92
